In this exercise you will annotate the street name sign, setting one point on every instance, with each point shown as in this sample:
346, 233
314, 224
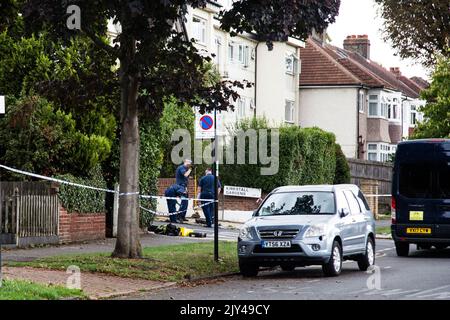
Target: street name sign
233, 191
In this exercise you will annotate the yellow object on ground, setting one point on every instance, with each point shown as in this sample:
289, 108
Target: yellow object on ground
185, 232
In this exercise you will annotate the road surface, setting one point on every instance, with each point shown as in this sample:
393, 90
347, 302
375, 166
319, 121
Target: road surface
423, 275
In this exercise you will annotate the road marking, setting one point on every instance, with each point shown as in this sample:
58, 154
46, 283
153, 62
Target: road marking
425, 292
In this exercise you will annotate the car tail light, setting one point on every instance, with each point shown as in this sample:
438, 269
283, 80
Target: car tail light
393, 211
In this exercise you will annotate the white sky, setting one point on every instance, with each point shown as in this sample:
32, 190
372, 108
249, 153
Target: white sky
361, 17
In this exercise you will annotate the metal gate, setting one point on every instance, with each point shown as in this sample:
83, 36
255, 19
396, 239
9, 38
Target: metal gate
29, 212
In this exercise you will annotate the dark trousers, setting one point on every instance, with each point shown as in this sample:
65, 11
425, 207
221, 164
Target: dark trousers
172, 206
208, 210
183, 208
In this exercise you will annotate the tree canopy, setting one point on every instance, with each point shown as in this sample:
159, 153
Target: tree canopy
418, 29
436, 112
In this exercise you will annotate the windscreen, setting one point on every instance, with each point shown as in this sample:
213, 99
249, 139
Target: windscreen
298, 203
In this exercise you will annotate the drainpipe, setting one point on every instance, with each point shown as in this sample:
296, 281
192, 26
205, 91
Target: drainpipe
256, 77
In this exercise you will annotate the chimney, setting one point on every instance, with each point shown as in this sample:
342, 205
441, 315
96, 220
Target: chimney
359, 44
396, 71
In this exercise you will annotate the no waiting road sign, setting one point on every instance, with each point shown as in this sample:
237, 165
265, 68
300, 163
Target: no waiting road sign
204, 126
206, 122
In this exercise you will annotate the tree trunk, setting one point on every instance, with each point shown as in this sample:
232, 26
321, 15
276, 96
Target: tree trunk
127, 243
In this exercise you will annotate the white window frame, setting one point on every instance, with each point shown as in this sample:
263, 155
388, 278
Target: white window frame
240, 108
218, 51
289, 113
361, 101
231, 52
413, 116
199, 29
379, 151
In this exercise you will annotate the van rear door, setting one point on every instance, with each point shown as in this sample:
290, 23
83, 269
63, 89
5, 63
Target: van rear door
414, 203
442, 191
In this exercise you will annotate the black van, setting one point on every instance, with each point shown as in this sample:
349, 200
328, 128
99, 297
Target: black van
421, 195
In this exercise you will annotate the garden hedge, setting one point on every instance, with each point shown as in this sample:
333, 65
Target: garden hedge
306, 156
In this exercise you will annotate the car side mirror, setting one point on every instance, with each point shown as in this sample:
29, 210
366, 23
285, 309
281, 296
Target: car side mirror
254, 213
344, 212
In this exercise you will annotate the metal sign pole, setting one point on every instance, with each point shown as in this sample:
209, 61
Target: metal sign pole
216, 197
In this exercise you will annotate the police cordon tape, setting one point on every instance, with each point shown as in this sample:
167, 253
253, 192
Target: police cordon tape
123, 194
158, 213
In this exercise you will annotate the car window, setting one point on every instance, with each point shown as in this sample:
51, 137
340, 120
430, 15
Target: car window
353, 203
415, 180
363, 200
298, 203
341, 201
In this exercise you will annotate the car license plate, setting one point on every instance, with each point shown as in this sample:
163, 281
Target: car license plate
418, 230
276, 244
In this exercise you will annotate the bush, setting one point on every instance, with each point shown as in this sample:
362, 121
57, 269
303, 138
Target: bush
38, 137
306, 156
81, 200
342, 173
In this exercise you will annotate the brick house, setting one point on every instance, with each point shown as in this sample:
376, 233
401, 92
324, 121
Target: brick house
369, 108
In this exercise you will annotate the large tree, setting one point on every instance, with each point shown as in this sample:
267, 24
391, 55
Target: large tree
418, 29
158, 61
436, 112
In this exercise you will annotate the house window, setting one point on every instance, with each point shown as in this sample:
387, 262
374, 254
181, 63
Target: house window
240, 112
413, 120
361, 101
380, 151
231, 52
218, 51
289, 110
199, 29
373, 109
291, 64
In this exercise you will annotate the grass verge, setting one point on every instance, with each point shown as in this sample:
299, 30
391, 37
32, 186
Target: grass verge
24, 290
383, 230
163, 263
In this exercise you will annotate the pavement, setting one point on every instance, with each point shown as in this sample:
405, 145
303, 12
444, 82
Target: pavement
423, 275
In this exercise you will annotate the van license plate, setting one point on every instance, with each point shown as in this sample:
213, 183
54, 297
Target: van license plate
276, 244
418, 230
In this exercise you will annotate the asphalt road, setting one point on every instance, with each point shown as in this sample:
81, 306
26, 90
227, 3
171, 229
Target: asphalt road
423, 275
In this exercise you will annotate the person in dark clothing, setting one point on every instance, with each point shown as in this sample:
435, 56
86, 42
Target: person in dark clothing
182, 178
175, 191
206, 191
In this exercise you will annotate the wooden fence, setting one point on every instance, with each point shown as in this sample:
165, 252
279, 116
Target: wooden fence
28, 210
373, 177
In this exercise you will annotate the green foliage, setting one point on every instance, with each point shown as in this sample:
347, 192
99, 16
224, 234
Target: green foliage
306, 156
437, 110
82, 200
149, 165
342, 172
40, 138
420, 37
173, 118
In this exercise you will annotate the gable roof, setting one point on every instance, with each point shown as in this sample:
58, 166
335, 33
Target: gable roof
318, 69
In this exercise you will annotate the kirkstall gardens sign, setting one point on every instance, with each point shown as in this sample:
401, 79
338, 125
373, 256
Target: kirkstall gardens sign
233, 191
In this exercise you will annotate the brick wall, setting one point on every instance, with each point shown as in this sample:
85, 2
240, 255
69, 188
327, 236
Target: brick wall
76, 227
229, 203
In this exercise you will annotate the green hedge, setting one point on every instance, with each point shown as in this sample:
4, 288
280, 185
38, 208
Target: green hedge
342, 173
306, 156
81, 200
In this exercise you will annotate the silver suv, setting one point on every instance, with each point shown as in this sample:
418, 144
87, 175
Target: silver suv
309, 225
